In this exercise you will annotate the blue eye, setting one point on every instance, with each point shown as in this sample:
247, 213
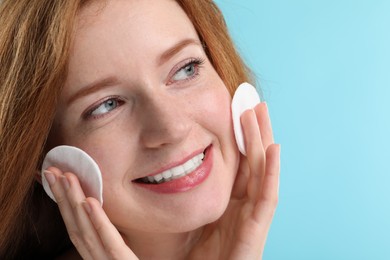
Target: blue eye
105, 107
188, 71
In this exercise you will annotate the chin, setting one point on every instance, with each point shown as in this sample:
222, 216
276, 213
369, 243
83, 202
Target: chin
204, 209
196, 220
210, 202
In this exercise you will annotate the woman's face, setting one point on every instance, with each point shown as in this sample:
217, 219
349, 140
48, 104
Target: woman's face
143, 100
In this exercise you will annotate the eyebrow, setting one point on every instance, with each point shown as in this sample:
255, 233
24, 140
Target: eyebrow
93, 87
168, 54
106, 82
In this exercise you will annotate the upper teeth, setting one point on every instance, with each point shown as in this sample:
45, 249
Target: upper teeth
176, 172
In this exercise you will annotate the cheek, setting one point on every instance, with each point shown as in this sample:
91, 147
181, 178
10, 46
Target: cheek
110, 147
114, 154
215, 114
215, 118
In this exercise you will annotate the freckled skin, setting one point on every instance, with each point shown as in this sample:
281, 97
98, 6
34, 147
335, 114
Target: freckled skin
156, 123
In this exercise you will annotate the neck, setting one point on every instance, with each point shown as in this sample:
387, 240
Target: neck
162, 245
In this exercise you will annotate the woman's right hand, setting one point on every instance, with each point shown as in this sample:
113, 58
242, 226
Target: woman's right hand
89, 228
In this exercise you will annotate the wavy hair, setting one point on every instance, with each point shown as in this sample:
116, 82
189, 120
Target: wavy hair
35, 40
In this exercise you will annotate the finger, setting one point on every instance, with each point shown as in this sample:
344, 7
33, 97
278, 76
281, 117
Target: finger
241, 182
255, 152
109, 235
265, 126
268, 199
84, 235
58, 185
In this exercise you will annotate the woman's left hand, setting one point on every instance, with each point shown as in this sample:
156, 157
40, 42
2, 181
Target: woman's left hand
242, 231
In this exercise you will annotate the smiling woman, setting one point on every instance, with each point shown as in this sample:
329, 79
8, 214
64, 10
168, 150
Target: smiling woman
144, 87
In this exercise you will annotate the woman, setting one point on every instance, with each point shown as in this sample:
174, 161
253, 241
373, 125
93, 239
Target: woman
143, 87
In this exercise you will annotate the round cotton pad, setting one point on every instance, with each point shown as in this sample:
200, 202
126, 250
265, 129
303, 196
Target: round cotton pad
244, 98
75, 160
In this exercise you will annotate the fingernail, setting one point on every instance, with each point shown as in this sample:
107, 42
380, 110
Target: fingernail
65, 182
50, 177
87, 207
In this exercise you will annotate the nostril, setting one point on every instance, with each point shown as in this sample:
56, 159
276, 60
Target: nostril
157, 134
164, 120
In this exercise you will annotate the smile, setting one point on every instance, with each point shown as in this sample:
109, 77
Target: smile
175, 172
180, 178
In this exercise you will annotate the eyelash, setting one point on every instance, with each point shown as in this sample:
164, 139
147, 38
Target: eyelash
198, 62
88, 114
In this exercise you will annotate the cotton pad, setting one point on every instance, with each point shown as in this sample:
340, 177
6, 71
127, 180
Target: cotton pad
244, 98
72, 159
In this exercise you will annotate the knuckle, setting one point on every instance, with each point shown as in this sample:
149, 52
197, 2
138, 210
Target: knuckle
99, 227
273, 203
89, 242
60, 200
113, 253
74, 237
117, 252
75, 206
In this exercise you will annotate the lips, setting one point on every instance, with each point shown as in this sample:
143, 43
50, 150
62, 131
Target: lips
182, 177
175, 172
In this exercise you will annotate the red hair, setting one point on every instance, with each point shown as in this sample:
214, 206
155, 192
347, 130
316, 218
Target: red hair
35, 39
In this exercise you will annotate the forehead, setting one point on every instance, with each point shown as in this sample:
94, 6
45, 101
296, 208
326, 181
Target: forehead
124, 29
134, 19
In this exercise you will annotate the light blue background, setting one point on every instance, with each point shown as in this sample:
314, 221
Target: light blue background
324, 69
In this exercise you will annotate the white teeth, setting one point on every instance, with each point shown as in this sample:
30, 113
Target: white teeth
158, 177
166, 175
188, 165
176, 172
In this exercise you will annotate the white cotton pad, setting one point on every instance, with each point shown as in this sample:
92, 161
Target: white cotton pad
245, 97
74, 160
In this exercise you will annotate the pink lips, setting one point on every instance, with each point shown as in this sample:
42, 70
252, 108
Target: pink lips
187, 182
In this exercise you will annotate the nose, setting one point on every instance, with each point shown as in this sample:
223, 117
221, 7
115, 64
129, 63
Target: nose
164, 122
